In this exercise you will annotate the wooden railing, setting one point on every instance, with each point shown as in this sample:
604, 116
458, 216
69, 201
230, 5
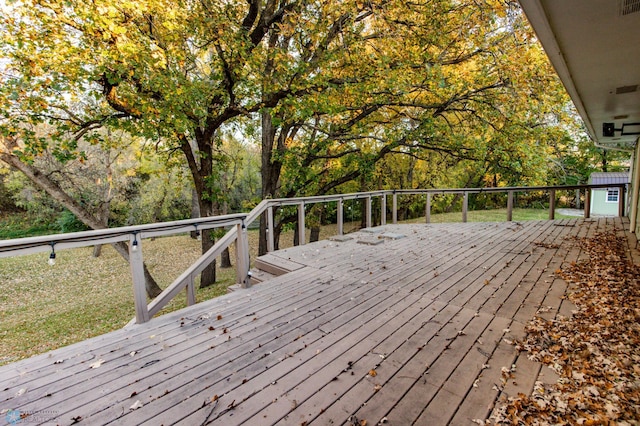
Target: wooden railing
133, 236
237, 235
268, 206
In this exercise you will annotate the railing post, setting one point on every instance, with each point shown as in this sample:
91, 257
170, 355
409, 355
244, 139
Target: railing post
427, 209
191, 291
242, 255
136, 264
271, 235
368, 211
552, 204
301, 225
509, 206
621, 191
587, 203
383, 209
394, 213
340, 217
465, 206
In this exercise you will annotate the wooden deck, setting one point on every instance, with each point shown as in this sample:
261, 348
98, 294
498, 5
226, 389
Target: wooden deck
412, 330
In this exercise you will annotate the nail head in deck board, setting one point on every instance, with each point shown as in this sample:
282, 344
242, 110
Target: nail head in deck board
348, 303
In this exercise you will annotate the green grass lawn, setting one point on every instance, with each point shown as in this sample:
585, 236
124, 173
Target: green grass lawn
16, 225
496, 215
44, 307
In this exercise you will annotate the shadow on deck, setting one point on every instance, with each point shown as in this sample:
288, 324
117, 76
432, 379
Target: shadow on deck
408, 324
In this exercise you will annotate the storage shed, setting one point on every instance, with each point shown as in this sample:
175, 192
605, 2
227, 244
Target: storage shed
604, 201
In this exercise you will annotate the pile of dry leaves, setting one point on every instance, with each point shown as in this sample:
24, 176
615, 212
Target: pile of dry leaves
596, 352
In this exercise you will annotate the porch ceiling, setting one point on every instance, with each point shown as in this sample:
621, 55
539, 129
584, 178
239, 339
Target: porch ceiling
594, 46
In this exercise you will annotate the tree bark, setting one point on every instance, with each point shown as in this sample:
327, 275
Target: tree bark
270, 171
58, 194
208, 276
200, 161
225, 257
319, 211
105, 207
195, 210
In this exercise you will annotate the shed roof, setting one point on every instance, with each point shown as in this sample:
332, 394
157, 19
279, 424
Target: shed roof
608, 177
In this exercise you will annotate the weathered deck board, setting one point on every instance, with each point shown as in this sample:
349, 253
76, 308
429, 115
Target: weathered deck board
413, 330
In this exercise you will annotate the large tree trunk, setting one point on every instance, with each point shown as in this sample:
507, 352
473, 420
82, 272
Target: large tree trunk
58, 194
270, 171
195, 210
318, 211
225, 257
105, 207
208, 276
200, 160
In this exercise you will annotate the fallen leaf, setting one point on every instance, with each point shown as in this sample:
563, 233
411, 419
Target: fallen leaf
373, 373
136, 405
594, 351
97, 364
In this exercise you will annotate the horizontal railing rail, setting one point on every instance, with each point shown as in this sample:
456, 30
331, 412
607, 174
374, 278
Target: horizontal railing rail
237, 234
30, 245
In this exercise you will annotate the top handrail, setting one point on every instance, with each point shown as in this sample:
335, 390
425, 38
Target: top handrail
43, 243
280, 202
507, 189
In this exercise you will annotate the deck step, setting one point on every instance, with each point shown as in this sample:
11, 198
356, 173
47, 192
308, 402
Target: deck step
258, 276
275, 265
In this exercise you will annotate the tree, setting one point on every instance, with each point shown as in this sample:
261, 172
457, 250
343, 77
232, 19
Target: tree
8, 149
461, 82
171, 71
334, 86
